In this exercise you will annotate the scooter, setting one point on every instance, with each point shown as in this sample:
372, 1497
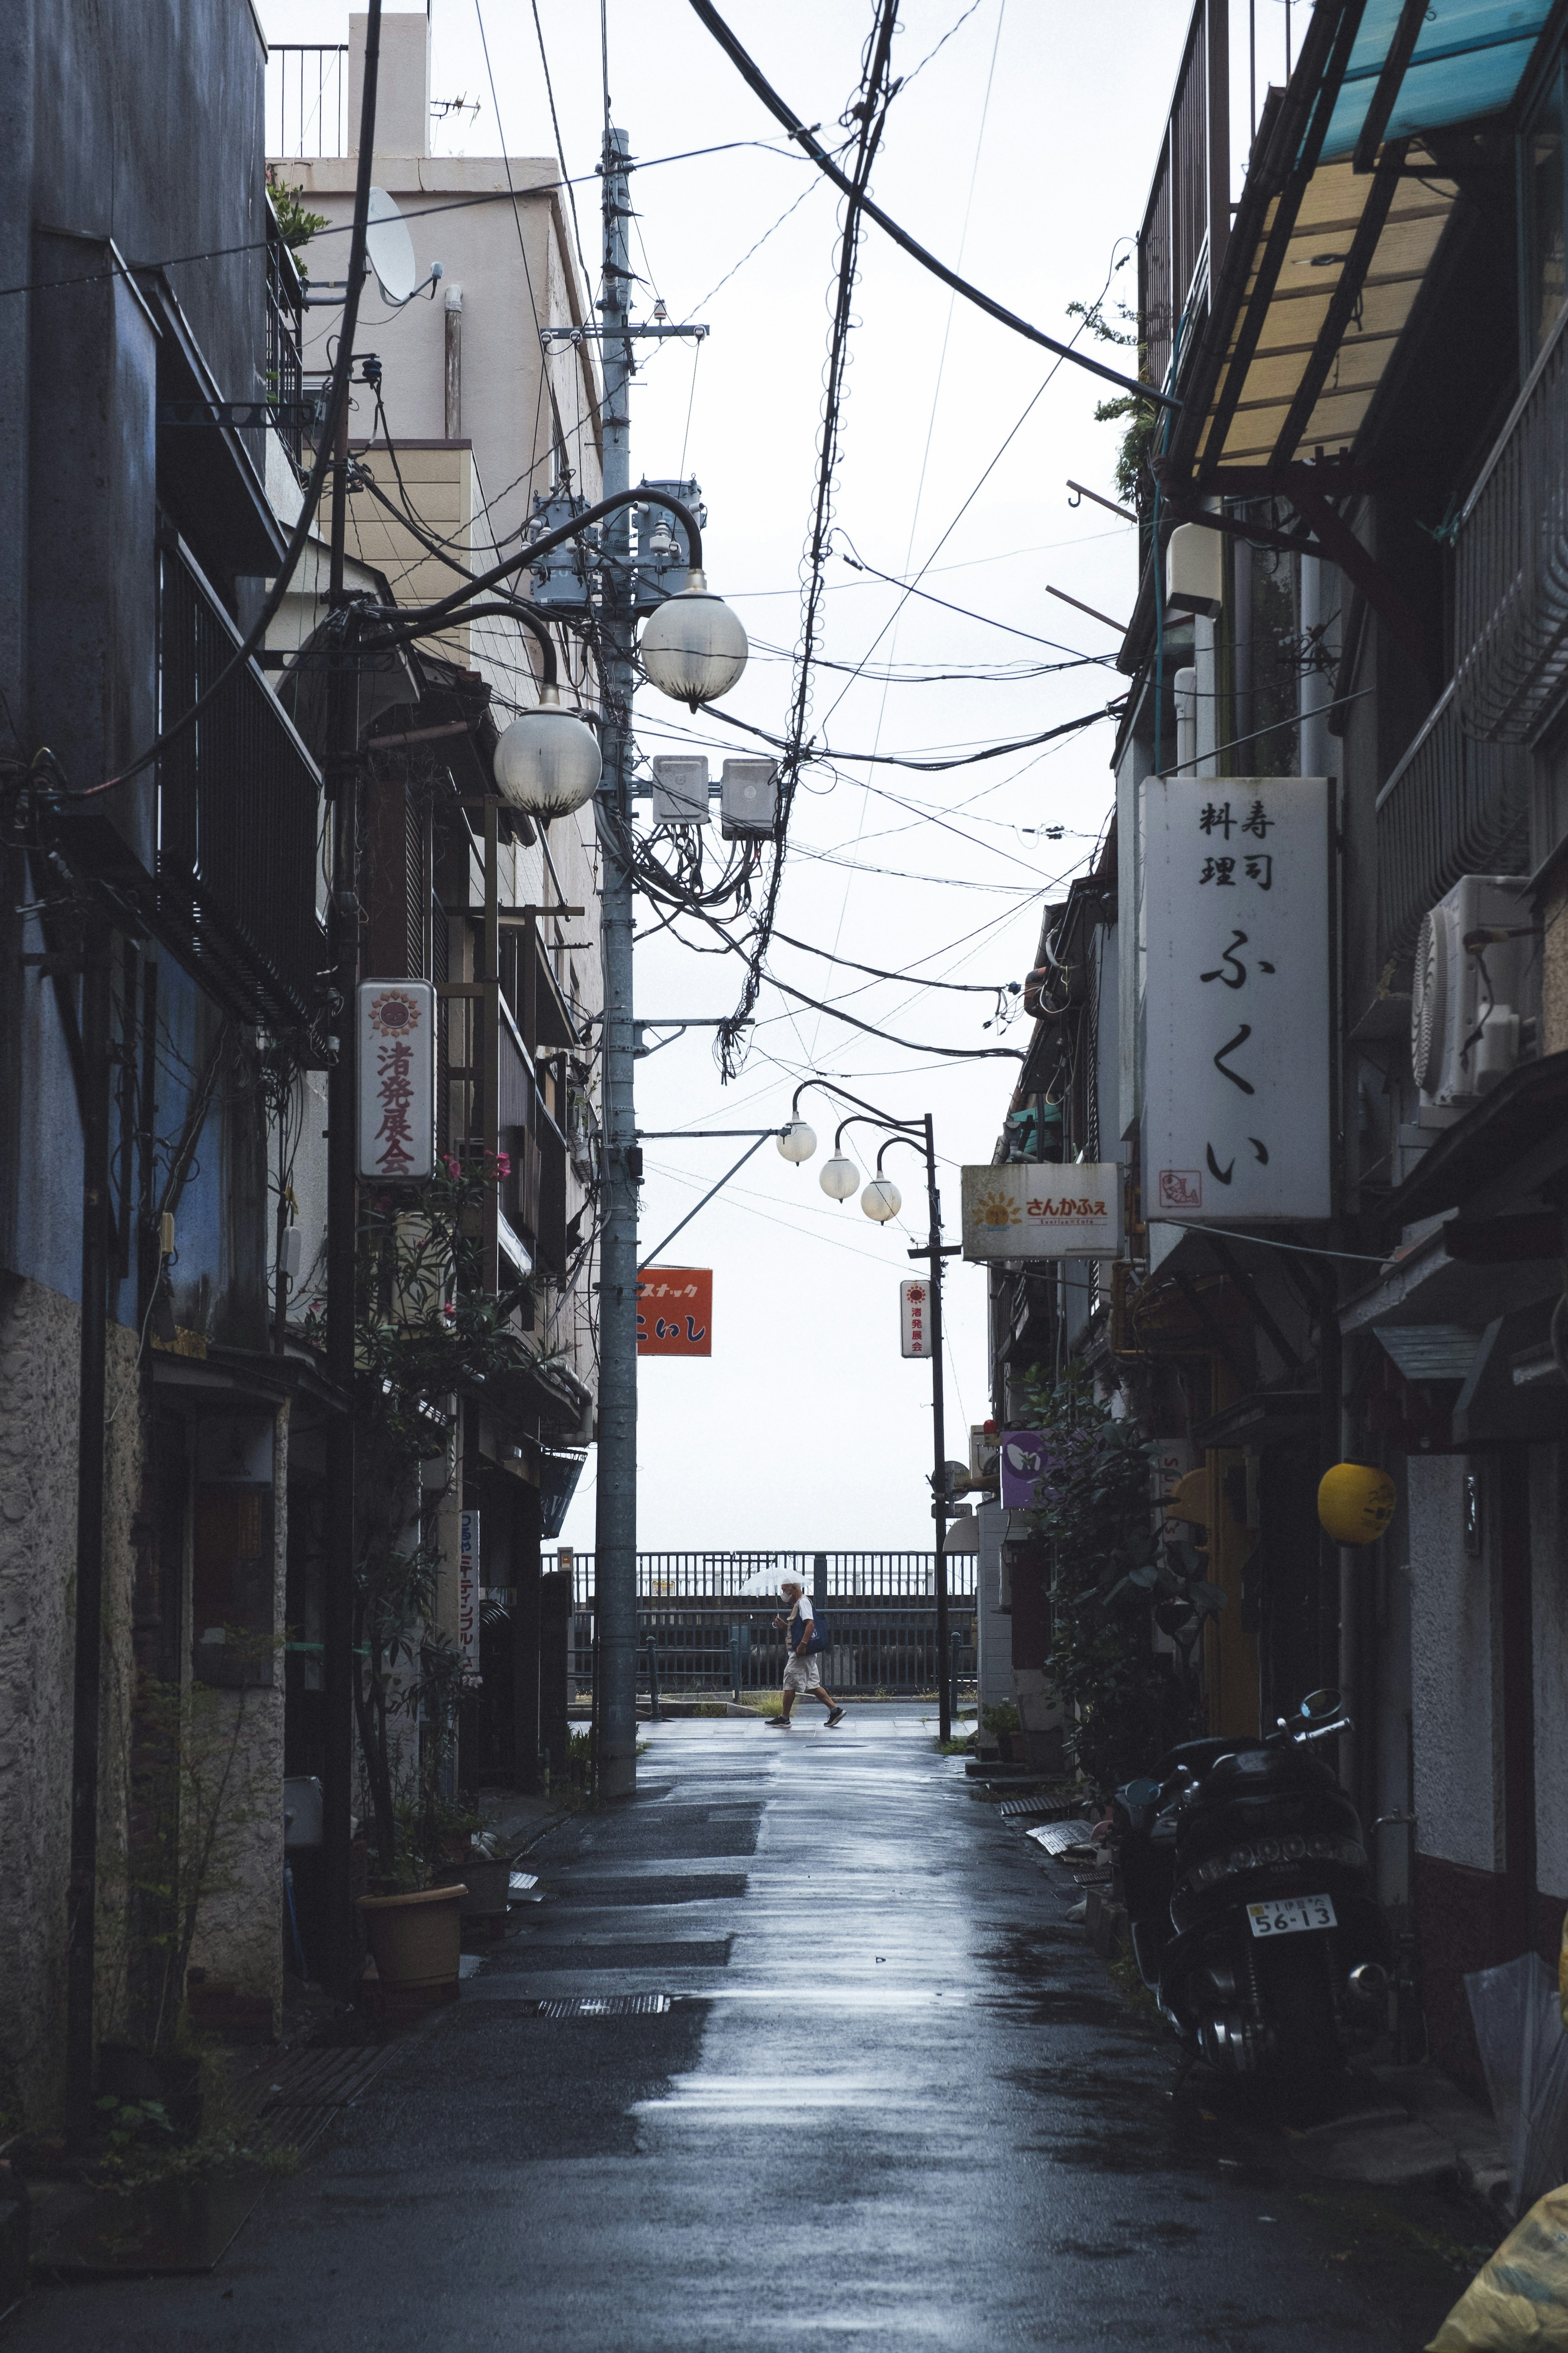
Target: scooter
1249, 1895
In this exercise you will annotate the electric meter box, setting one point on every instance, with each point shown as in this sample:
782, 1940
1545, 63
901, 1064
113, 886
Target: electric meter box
680, 790
747, 800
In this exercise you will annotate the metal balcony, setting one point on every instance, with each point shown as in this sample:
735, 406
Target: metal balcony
1453, 806
1511, 567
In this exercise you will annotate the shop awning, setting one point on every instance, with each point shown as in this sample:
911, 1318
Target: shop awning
1469, 58
1327, 259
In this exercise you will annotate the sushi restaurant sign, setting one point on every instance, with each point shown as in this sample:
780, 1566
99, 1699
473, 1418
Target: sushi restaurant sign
1042, 1208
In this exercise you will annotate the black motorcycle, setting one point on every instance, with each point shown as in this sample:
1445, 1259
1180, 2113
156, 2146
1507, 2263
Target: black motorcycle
1249, 1895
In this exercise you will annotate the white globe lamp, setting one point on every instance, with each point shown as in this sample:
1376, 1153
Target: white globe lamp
547, 761
881, 1199
840, 1177
694, 647
797, 1141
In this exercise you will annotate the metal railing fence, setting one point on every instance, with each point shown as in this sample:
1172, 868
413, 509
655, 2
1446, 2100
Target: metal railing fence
1452, 807
1511, 566
715, 1651
756, 1576
306, 98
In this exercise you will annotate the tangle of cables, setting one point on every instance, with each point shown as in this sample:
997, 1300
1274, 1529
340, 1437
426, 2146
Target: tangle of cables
870, 114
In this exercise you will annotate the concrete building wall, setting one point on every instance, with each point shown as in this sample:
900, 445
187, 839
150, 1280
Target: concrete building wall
1451, 1673
1549, 1578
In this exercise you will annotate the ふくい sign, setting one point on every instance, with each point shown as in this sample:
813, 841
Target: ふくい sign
1042, 1208
396, 1078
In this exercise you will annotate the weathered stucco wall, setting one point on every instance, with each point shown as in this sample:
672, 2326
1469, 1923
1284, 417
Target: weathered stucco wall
38, 1379
1451, 1672
240, 1932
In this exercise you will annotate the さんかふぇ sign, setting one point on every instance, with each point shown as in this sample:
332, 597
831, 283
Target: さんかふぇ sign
1042, 1208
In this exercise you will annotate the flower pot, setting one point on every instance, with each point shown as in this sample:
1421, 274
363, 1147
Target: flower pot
488, 1886
416, 1939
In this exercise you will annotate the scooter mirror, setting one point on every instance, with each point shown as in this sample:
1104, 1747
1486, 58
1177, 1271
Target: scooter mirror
1321, 1704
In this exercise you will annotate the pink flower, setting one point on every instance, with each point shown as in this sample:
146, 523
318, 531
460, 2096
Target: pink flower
451, 1164
502, 1166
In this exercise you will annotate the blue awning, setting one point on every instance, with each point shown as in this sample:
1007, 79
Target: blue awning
1470, 57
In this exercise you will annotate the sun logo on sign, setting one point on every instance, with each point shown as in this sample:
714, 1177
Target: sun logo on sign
996, 1209
393, 1014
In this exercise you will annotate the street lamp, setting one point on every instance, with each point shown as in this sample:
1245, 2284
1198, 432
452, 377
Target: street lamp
839, 1178
797, 1141
694, 647
882, 1200
547, 761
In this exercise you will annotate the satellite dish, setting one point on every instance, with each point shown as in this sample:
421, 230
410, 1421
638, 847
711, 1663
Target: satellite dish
391, 248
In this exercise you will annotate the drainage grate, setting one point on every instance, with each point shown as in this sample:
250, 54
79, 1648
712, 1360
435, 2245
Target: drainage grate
605, 2005
1026, 1810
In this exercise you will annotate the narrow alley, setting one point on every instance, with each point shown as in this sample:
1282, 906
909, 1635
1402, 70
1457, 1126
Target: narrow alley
888, 2093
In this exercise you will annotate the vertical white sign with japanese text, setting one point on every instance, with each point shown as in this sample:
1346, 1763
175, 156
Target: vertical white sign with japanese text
396, 1078
914, 1316
1236, 1114
469, 1594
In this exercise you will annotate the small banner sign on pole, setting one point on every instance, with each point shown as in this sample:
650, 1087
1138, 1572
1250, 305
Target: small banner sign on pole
675, 1310
397, 1079
1042, 1208
915, 1316
469, 1594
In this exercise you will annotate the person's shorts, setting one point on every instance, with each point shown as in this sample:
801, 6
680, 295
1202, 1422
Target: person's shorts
802, 1675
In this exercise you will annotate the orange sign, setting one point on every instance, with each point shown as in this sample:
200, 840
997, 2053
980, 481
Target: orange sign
675, 1310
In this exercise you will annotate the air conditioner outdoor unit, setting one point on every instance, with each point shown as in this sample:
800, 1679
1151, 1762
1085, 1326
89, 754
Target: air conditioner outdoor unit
1467, 1001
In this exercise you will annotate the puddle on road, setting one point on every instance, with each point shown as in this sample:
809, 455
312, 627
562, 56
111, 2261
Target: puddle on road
739, 2094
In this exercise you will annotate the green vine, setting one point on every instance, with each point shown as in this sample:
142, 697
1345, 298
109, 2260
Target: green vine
1143, 418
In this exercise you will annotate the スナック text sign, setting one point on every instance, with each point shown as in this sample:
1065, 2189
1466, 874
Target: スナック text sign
675, 1310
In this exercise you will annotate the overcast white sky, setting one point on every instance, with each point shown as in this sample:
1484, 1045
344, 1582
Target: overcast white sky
1023, 153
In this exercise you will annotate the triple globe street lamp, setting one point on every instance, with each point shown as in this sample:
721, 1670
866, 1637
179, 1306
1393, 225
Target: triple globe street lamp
840, 1178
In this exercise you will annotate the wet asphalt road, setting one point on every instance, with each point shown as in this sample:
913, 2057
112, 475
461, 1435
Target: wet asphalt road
894, 2101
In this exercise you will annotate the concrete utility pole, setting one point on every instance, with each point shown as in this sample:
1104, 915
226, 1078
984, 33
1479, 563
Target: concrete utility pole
616, 1530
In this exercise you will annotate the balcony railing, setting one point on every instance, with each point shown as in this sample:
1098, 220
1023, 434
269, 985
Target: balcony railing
1452, 807
1512, 566
1187, 222
307, 97
285, 341
238, 799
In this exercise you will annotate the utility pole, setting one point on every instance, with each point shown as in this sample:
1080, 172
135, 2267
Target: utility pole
615, 1529
342, 1120
939, 1443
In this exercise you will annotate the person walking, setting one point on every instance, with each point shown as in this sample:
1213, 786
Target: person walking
800, 1672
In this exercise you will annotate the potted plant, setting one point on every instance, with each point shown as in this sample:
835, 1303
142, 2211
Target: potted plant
425, 1329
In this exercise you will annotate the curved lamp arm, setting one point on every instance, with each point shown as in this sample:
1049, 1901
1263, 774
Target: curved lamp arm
824, 1087
436, 616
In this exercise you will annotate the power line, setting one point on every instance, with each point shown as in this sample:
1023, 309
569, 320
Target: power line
872, 114
776, 107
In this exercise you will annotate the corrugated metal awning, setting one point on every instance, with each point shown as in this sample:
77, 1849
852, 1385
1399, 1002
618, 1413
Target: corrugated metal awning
1340, 219
1310, 380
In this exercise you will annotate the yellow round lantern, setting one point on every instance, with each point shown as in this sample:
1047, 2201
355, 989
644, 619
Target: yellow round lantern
1355, 1503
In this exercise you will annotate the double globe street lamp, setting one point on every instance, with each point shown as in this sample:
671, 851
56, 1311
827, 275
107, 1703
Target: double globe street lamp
840, 1180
